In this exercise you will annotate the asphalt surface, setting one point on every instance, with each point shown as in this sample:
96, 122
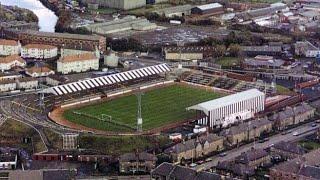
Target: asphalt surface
272, 140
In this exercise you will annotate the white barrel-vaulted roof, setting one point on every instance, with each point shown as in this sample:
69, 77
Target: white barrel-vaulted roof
107, 80
227, 100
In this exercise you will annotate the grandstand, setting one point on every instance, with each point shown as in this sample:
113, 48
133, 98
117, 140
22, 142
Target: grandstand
226, 83
104, 84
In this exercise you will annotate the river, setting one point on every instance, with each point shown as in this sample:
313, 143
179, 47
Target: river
47, 18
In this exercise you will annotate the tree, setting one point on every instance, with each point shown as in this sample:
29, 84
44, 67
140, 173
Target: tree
220, 50
235, 50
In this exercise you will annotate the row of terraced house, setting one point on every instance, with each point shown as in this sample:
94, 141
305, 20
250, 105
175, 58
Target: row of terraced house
241, 133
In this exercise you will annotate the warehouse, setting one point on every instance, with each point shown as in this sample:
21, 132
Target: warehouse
213, 8
230, 109
118, 25
119, 4
179, 11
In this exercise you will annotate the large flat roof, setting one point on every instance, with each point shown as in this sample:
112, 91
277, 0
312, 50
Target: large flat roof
209, 6
227, 100
63, 35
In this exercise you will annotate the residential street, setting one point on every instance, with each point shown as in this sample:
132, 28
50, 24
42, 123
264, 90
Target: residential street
272, 140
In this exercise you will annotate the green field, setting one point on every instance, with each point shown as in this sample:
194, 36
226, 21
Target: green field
159, 107
228, 61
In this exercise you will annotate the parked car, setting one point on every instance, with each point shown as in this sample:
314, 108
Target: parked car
192, 165
222, 154
295, 133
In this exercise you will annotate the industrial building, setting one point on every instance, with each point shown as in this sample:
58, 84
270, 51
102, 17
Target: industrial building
118, 25
180, 11
187, 53
119, 4
213, 8
61, 40
230, 109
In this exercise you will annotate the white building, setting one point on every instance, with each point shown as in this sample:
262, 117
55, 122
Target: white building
27, 83
39, 51
9, 47
8, 62
7, 85
39, 71
77, 63
9, 75
230, 109
8, 161
306, 48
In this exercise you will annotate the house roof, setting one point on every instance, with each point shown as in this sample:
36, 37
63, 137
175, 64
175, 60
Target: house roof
310, 172
39, 46
245, 127
227, 100
45, 174
137, 157
78, 57
8, 81
192, 143
262, 48
182, 173
35, 69
251, 155
236, 168
11, 58
8, 42
283, 115
289, 147
304, 107
27, 79
182, 147
307, 165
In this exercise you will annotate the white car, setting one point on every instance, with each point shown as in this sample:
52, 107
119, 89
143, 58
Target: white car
193, 165
295, 133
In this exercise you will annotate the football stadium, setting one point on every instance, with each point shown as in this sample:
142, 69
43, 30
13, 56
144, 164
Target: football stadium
115, 103
159, 107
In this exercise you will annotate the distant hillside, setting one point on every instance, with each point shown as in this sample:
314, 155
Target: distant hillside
14, 13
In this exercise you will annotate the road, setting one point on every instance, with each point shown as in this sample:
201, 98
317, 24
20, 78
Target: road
272, 140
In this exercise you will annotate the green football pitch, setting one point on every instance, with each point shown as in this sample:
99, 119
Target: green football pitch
159, 107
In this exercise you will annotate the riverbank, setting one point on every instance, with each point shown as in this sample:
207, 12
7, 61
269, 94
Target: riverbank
14, 13
54, 6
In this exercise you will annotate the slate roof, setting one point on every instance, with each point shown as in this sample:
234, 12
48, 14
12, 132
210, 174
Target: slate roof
137, 157
289, 147
307, 165
163, 169
245, 126
182, 173
251, 155
236, 168
192, 143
